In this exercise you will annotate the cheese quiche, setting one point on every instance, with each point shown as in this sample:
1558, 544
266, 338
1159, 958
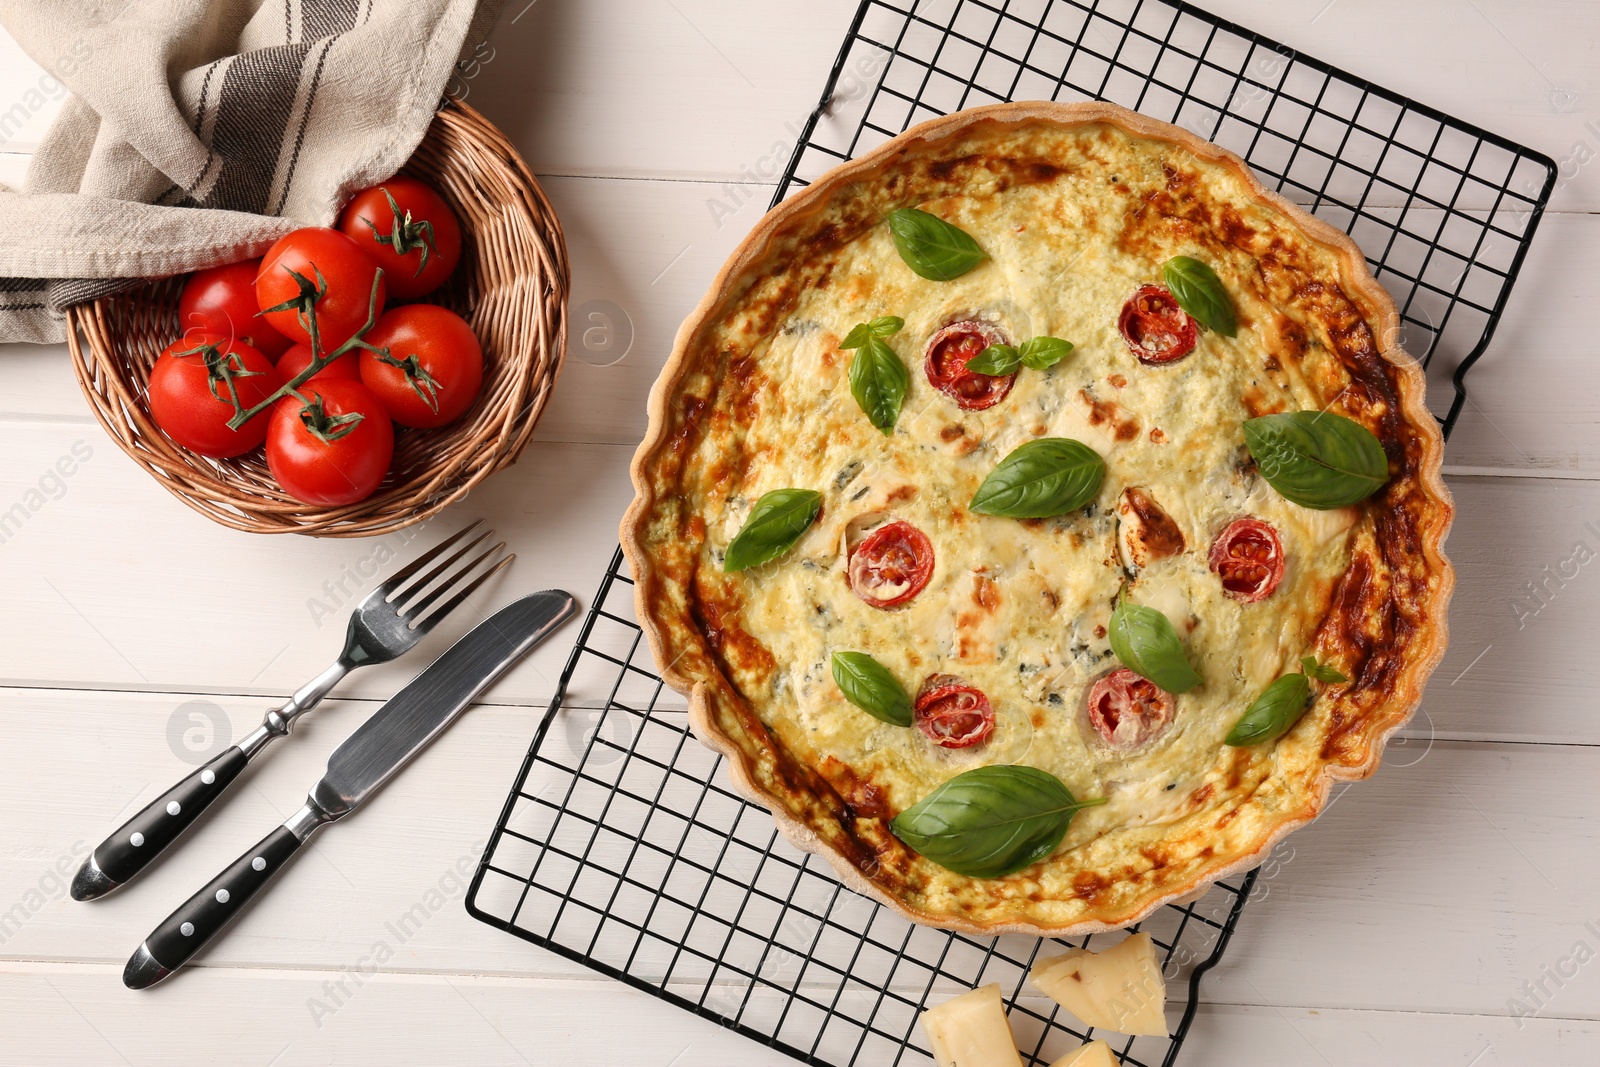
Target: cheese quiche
1040, 516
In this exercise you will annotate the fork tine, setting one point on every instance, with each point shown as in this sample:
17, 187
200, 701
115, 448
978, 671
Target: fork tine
444, 565
416, 608
454, 602
399, 577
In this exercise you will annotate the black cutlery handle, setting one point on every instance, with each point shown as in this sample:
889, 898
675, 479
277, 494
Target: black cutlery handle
142, 838
203, 915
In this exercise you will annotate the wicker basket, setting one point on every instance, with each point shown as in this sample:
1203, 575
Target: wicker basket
511, 285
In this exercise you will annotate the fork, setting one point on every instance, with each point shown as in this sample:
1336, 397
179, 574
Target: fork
385, 625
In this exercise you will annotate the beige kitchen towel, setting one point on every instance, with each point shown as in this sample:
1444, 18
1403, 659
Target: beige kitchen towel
197, 132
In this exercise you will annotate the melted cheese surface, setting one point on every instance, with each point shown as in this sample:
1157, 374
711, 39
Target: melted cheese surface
1073, 219
1173, 430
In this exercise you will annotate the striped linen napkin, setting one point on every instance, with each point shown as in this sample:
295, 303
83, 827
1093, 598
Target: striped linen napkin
197, 132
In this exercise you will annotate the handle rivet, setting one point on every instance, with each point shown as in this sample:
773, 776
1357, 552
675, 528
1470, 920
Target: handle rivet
187, 929
174, 808
207, 777
222, 896
136, 840
258, 864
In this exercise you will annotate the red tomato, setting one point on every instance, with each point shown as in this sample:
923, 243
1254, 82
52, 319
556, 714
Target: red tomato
334, 276
317, 456
298, 358
223, 300
953, 714
1127, 710
433, 368
1156, 328
946, 360
409, 231
891, 565
1248, 557
191, 401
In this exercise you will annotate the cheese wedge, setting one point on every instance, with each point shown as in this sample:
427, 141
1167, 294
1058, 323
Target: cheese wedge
1119, 989
971, 1031
1094, 1054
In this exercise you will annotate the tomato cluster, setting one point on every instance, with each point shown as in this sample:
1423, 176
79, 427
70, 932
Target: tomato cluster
296, 349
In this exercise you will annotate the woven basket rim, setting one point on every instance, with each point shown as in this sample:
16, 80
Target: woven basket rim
512, 285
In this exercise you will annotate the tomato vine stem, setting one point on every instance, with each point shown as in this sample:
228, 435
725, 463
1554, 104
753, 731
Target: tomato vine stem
422, 383
319, 360
221, 370
405, 236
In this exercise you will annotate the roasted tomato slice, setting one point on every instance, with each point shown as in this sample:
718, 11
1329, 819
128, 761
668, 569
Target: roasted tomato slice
1126, 710
1248, 557
952, 713
890, 565
1157, 330
946, 365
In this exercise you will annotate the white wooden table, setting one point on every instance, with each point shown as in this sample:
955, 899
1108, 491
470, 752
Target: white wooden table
1405, 927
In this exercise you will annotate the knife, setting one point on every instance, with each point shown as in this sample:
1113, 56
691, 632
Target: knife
365, 761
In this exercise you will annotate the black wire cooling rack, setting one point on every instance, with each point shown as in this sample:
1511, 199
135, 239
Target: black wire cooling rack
622, 847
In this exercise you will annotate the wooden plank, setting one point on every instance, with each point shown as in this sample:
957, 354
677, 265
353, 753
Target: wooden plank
141, 610
360, 882
1489, 63
63, 1014
1458, 875
1529, 398
586, 94
592, 94
1380, 876
634, 123
644, 252
129, 608
1432, 886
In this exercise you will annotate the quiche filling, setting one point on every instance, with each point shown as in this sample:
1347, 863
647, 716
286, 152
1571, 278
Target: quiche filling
999, 627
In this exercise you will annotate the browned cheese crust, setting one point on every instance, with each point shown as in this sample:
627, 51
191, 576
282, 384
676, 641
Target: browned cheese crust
1306, 296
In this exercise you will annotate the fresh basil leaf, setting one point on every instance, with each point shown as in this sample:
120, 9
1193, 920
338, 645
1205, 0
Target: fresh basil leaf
1321, 672
1050, 476
859, 335
868, 685
1042, 353
991, 821
1199, 291
1317, 459
1146, 643
932, 247
1278, 708
878, 381
774, 525
1039, 353
996, 359
862, 332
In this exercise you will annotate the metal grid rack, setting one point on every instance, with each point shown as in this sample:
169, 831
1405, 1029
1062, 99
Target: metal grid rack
622, 847
1443, 209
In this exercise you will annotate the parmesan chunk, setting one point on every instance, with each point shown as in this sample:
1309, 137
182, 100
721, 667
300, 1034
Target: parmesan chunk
1094, 1054
1119, 989
971, 1031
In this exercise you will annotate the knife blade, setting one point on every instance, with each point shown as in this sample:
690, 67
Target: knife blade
367, 759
